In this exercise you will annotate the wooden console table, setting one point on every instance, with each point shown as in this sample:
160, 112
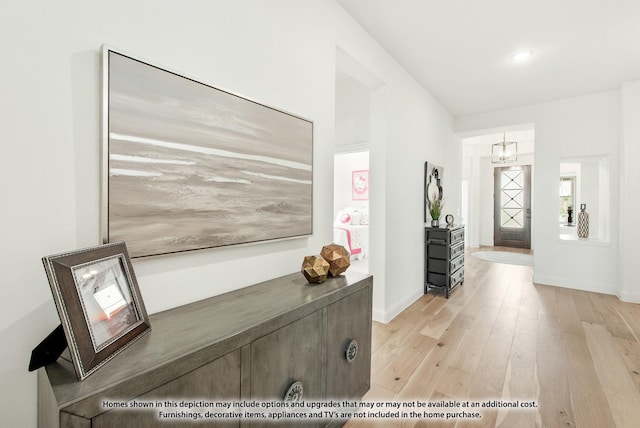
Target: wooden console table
249, 344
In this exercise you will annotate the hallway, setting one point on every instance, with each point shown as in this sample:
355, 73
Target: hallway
501, 337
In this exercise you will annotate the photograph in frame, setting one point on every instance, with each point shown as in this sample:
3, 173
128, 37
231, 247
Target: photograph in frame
188, 166
99, 303
106, 300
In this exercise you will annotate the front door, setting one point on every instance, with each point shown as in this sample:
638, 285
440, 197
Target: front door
512, 206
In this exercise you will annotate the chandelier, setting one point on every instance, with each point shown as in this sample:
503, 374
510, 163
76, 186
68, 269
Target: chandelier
505, 151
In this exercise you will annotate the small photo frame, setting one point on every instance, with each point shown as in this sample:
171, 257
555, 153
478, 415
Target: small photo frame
99, 303
360, 185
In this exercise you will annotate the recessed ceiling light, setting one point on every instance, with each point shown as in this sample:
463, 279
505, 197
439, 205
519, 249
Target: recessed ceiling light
521, 56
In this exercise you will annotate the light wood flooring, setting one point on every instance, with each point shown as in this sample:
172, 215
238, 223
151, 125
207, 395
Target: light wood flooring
500, 337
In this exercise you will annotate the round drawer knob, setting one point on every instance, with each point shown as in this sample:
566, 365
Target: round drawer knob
352, 351
295, 392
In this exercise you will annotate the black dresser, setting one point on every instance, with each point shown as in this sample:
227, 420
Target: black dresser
444, 258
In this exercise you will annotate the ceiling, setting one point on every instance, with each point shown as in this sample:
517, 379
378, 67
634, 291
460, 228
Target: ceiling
525, 137
460, 50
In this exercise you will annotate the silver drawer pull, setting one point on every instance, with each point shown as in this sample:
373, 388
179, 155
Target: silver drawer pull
295, 392
352, 351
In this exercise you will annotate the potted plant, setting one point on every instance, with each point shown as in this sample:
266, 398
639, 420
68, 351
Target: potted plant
435, 210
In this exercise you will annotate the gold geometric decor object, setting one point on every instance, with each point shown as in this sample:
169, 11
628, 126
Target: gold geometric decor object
338, 257
315, 269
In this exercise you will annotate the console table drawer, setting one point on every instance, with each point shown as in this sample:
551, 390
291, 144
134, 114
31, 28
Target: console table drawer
217, 380
290, 354
349, 346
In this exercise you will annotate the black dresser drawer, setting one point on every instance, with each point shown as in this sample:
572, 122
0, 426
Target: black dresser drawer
438, 251
457, 250
456, 264
437, 279
440, 235
457, 236
438, 266
457, 278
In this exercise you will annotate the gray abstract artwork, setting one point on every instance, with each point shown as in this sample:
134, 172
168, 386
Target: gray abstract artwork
191, 166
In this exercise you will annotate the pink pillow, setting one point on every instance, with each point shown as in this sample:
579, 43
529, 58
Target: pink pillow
345, 218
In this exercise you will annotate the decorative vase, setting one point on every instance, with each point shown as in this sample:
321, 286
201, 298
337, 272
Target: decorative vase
435, 222
583, 222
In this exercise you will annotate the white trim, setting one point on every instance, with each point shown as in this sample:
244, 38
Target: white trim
384, 316
584, 242
594, 287
629, 297
352, 148
378, 316
591, 287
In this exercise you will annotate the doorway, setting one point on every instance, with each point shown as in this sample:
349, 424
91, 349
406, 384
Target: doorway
360, 131
512, 206
351, 206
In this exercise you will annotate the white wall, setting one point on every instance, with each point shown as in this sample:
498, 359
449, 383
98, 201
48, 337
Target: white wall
581, 126
352, 115
418, 135
452, 190
629, 180
279, 52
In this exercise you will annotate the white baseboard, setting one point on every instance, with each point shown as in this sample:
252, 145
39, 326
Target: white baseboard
378, 316
576, 285
384, 316
629, 297
592, 287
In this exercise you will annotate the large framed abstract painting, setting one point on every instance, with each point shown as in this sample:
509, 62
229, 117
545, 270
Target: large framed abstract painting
188, 166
